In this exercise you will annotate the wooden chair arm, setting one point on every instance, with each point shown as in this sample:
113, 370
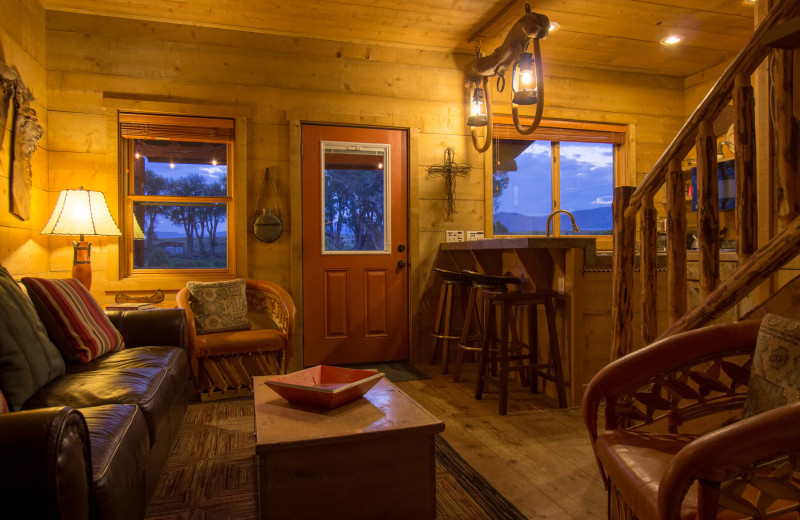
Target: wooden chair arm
737, 452
283, 313
637, 373
182, 301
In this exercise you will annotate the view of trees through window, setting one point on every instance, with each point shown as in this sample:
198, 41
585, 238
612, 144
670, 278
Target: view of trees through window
355, 194
180, 208
525, 173
354, 212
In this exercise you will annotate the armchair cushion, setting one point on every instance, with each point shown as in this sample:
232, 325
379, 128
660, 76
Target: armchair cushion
28, 359
219, 306
775, 374
74, 320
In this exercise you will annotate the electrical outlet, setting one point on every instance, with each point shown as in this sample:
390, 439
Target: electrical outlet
474, 235
561, 284
455, 236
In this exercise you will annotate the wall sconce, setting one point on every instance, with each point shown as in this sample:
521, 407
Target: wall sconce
81, 212
527, 83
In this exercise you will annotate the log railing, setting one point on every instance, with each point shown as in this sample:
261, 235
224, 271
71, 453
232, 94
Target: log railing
754, 265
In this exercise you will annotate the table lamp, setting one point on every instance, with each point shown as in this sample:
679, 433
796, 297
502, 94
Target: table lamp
81, 212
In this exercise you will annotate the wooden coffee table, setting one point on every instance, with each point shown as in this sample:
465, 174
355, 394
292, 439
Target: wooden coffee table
371, 458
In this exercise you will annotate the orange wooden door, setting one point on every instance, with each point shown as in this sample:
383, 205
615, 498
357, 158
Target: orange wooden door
355, 245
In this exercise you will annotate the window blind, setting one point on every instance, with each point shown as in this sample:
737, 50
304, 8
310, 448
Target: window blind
147, 126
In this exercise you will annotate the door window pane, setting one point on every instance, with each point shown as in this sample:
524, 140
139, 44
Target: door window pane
522, 186
355, 195
587, 187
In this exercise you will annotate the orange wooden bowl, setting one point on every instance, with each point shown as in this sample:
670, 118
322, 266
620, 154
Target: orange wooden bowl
324, 386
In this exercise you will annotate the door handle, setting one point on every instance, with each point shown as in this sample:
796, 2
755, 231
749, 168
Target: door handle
401, 264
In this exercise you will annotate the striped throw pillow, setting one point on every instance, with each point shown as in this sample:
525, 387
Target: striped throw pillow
73, 319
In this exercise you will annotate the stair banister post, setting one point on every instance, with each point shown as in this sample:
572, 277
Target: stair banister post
676, 242
622, 277
745, 159
648, 262
786, 133
707, 208
761, 265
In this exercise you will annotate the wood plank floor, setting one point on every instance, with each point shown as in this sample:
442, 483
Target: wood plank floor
538, 455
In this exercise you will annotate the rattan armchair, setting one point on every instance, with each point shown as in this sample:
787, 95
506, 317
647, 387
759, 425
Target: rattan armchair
672, 444
223, 363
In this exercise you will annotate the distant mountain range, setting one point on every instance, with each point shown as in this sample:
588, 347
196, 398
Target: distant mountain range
589, 220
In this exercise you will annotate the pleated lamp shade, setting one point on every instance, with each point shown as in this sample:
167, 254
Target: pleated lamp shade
81, 212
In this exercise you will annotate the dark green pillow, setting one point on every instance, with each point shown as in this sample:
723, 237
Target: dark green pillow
28, 359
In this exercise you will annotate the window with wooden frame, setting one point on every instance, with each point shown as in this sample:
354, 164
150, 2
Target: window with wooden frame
562, 165
177, 194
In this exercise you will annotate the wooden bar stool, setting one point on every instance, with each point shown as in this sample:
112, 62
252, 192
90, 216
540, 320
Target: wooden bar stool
443, 330
472, 334
508, 347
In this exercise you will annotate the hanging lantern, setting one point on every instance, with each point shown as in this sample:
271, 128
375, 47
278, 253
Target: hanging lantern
524, 81
477, 116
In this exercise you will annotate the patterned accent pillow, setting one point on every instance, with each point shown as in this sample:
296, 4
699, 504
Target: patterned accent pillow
775, 374
73, 319
219, 306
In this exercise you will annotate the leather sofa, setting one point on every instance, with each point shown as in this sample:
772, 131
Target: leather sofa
92, 442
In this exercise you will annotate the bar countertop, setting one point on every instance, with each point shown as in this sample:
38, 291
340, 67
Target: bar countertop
589, 244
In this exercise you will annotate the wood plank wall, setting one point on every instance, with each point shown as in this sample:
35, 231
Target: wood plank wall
93, 61
23, 251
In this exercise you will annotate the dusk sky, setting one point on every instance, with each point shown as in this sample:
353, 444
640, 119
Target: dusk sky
586, 179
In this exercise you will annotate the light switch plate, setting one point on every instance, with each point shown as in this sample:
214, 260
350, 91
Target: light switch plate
455, 236
474, 235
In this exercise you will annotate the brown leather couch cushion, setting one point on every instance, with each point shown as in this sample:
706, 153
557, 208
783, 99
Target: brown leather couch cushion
150, 388
636, 461
119, 443
173, 360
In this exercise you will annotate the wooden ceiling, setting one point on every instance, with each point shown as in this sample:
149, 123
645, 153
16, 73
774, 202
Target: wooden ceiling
620, 35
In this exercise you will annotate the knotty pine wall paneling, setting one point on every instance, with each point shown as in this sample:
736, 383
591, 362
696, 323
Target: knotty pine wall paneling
94, 59
23, 251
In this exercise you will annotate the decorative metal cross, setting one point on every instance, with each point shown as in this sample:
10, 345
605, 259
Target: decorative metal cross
449, 170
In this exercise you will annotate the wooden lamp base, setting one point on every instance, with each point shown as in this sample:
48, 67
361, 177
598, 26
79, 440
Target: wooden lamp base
81, 263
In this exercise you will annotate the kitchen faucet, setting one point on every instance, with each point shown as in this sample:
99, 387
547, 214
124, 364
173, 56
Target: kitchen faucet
575, 228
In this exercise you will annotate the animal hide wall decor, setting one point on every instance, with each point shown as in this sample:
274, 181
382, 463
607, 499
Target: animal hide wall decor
26, 133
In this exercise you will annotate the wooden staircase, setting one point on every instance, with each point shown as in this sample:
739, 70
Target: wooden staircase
772, 41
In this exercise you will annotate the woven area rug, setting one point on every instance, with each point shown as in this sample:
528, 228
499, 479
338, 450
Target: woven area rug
210, 473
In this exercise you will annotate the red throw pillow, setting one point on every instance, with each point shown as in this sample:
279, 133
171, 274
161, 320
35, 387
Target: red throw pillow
74, 320
3, 403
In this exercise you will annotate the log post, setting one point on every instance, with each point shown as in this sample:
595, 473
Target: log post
622, 278
745, 157
786, 133
676, 242
760, 266
707, 208
648, 263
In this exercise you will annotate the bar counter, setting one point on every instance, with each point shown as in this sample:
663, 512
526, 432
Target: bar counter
569, 265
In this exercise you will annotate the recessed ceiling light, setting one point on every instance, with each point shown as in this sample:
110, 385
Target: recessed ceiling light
554, 26
670, 40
